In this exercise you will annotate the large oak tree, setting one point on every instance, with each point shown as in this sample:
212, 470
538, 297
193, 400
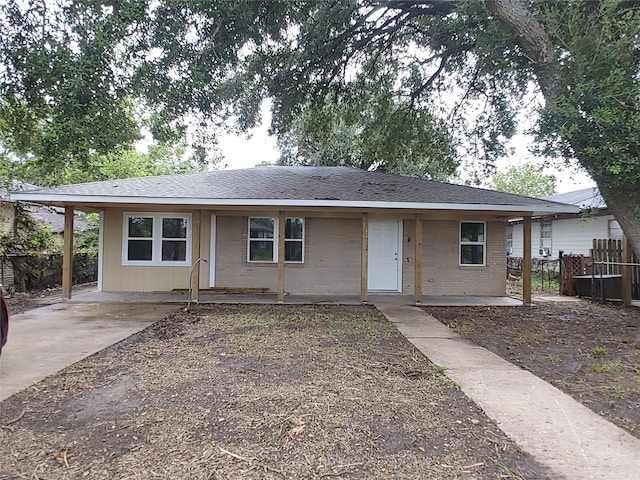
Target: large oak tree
468, 65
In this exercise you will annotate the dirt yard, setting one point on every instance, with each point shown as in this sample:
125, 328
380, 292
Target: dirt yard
257, 392
590, 351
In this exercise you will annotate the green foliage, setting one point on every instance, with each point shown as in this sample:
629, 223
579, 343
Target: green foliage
87, 241
528, 180
365, 134
29, 237
394, 85
160, 160
61, 100
596, 117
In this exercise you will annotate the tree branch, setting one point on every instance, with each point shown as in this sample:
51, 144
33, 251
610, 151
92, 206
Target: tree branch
534, 39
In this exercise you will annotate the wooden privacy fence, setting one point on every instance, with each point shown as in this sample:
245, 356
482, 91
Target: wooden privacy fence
601, 274
36, 272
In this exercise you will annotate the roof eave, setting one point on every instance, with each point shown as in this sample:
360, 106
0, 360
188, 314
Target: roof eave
60, 199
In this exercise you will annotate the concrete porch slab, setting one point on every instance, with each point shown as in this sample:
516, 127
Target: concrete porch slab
270, 298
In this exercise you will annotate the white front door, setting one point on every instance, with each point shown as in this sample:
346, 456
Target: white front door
385, 245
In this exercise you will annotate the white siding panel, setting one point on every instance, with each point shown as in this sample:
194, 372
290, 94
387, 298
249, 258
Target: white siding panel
572, 236
517, 241
576, 236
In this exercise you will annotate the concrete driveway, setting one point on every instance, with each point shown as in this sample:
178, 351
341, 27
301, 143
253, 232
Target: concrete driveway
47, 339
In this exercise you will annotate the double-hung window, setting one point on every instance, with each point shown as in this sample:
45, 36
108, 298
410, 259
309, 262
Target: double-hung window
545, 238
156, 239
472, 243
263, 240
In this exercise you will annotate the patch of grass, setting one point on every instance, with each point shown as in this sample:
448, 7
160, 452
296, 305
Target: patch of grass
248, 320
531, 336
599, 351
553, 358
617, 391
461, 329
506, 472
246, 342
440, 377
547, 281
613, 368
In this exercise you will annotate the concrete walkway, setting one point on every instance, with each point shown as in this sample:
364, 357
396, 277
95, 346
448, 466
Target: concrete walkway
564, 435
45, 340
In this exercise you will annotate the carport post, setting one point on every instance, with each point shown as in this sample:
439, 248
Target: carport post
526, 260
281, 231
364, 259
67, 252
195, 274
417, 244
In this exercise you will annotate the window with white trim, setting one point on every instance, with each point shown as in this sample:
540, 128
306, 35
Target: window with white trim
263, 240
156, 239
615, 231
545, 238
509, 239
472, 243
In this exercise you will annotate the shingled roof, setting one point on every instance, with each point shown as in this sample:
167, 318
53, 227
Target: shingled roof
584, 198
290, 186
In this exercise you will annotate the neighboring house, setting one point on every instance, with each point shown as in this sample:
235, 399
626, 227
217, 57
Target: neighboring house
300, 230
43, 215
54, 218
568, 233
8, 210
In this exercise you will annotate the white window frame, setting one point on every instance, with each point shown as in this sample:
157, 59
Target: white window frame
509, 239
614, 225
483, 243
276, 230
156, 239
546, 238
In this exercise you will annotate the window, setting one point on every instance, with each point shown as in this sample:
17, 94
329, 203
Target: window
156, 239
509, 239
293, 241
472, 243
262, 232
615, 231
545, 239
263, 240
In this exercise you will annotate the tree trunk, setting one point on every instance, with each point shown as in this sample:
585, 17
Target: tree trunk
531, 35
625, 207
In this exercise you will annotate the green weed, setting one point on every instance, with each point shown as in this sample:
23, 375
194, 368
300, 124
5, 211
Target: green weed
553, 358
613, 368
599, 351
617, 391
461, 329
506, 472
441, 378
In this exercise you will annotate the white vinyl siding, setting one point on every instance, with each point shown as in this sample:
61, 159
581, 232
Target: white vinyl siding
572, 235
